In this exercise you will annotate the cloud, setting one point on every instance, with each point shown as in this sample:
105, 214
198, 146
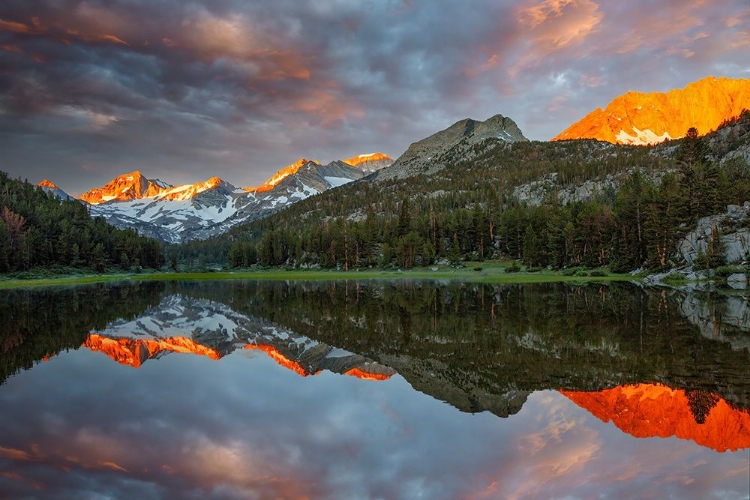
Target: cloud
181, 90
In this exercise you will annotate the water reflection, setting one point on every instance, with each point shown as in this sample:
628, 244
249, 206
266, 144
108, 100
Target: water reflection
249, 426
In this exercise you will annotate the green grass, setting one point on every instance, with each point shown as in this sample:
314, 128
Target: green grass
489, 272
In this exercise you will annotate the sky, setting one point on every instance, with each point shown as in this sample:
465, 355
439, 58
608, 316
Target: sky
186, 90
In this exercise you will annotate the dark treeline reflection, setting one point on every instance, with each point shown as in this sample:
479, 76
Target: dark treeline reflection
39, 323
484, 347
477, 346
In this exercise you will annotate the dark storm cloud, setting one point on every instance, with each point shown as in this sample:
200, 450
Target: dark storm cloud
187, 90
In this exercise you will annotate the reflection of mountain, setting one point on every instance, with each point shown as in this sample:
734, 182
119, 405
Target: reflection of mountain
134, 352
215, 330
647, 410
39, 323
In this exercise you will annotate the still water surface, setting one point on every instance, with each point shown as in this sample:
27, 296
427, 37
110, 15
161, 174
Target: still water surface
373, 390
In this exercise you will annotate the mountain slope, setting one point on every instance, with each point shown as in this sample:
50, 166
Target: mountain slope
649, 118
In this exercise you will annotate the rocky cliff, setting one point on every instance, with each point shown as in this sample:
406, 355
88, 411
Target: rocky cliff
648, 118
731, 228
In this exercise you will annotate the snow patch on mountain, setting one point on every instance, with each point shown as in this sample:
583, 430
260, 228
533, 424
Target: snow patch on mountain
641, 137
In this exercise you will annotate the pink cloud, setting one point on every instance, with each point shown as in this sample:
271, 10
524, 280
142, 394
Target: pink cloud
553, 25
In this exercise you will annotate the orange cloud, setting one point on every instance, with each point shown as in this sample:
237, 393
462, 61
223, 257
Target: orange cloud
553, 25
15, 454
60, 33
327, 106
8, 47
15, 27
557, 23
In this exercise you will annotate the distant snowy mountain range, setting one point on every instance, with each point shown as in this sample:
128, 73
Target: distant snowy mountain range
176, 214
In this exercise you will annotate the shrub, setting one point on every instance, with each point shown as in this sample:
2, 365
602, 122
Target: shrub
725, 271
513, 268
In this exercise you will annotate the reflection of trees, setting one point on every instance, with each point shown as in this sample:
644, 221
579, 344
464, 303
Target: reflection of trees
39, 323
701, 403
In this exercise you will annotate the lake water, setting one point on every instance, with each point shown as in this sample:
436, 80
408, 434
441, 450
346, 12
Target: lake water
373, 390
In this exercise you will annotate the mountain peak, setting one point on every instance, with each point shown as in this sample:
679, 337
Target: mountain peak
367, 158
50, 187
126, 187
430, 152
370, 162
649, 118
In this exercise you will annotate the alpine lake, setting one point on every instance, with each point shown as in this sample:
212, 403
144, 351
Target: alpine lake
381, 389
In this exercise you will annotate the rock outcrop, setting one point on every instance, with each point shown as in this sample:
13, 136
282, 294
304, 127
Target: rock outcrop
649, 118
732, 230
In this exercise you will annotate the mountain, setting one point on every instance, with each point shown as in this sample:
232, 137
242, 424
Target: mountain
132, 186
452, 144
650, 410
176, 214
649, 118
50, 188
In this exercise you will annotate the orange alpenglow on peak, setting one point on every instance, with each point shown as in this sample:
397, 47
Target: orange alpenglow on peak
366, 375
359, 159
48, 184
649, 118
134, 352
651, 410
132, 186
281, 359
281, 175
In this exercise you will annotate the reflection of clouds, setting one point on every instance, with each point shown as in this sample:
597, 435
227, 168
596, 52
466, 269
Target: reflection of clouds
190, 427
